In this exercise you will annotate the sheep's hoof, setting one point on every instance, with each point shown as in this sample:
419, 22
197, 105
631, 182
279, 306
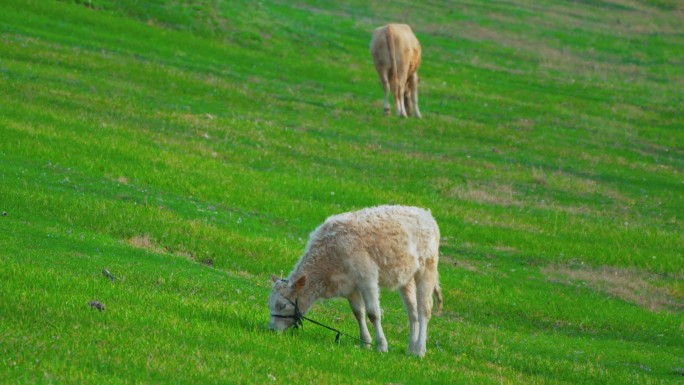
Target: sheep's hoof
418, 352
387, 111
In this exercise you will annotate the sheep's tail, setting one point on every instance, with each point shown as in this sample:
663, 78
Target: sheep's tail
438, 296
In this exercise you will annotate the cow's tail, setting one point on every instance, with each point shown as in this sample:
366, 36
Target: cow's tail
394, 78
438, 296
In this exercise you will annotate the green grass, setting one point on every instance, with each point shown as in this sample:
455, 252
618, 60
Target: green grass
151, 138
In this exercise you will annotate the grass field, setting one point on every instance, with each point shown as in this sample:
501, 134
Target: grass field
191, 147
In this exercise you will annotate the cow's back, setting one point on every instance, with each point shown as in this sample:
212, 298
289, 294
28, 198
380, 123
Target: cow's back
404, 46
380, 50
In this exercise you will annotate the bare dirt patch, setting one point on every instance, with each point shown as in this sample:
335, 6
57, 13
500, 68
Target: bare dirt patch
635, 286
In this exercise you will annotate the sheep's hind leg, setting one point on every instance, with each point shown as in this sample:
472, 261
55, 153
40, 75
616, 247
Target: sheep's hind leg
408, 295
425, 286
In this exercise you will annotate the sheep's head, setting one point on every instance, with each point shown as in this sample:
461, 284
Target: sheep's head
282, 302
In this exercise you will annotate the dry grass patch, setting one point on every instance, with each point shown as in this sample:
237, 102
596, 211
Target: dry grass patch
550, 56
568, 209
635, 286
460, 263
498, 194
570, 182
505, 249
143, 241
469, 265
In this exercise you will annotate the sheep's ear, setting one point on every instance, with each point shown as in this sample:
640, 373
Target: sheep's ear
274, 278
299, 283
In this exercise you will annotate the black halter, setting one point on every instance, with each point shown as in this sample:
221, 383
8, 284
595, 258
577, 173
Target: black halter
297, 315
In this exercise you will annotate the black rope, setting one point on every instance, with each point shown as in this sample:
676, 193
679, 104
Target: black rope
298, 317
338, 333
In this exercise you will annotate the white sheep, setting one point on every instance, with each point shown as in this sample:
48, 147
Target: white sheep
352, 255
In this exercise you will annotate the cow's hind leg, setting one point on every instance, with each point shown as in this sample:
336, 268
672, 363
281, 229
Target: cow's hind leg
408, 295
399, 98
425, 286
413, 90
371, 297
412, 95
407, 102
359, 309
384, 79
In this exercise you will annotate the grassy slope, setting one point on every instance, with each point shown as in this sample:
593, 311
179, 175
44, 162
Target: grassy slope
146, 137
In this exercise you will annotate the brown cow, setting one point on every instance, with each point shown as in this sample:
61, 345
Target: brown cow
396, 54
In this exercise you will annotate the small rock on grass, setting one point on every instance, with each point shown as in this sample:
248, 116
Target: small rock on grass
109, 275
208, 262
97, 305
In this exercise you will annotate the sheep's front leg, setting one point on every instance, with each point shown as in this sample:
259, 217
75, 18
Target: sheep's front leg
371, 297
359, 309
